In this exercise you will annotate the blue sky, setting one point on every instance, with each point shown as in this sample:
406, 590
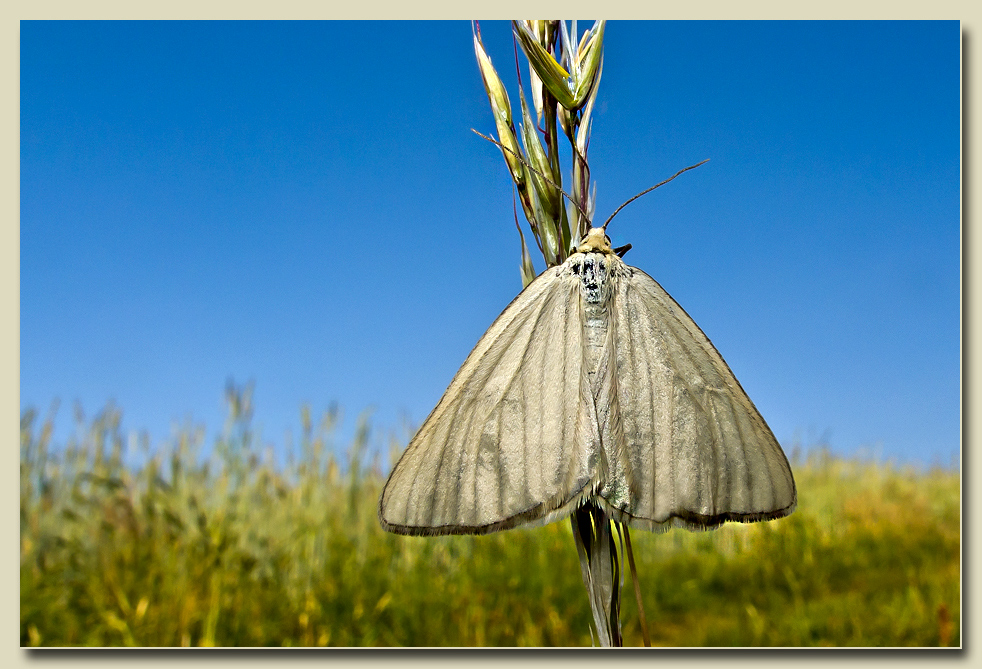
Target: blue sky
303, 205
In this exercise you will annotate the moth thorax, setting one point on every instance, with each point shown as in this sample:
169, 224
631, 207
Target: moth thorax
594, 278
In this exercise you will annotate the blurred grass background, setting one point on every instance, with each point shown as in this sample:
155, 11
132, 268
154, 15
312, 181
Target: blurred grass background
124, 545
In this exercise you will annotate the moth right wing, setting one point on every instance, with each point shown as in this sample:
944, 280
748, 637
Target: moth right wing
695, 449
514, 438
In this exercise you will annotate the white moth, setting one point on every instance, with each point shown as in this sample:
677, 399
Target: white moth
593, 384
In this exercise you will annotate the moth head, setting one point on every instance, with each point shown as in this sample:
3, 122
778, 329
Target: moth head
596, 241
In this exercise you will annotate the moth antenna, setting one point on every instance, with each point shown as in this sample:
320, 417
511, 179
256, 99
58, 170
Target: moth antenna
550, 181
645, 192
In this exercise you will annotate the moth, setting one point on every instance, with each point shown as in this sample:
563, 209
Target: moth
593, 385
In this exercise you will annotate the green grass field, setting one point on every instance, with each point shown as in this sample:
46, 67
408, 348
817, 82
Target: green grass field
230, 550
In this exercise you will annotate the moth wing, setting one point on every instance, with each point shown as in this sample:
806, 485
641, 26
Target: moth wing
696, 451
513, 440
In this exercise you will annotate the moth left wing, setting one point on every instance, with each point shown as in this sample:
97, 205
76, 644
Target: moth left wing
513, 440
